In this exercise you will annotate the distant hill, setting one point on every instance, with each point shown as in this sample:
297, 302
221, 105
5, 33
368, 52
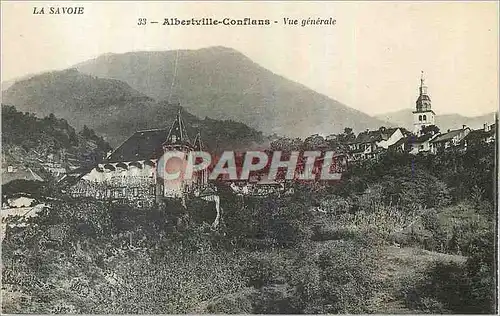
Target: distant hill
80, 99
113, 109
404, 118
222, 83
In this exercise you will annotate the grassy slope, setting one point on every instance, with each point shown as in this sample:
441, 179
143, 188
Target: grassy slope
398, 265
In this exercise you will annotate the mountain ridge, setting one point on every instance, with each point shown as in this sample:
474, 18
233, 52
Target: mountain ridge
404, 118
115, 110
222, 83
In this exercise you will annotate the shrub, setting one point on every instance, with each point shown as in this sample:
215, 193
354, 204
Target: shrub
340, 281
275, 299
265, 268
331, 232
451, 287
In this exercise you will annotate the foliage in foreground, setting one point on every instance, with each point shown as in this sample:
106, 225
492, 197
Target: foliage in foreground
277, 255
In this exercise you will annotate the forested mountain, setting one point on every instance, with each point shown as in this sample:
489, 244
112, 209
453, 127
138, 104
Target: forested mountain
222, 83
115, 110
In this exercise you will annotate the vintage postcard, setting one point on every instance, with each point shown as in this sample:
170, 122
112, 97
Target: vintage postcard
219, 157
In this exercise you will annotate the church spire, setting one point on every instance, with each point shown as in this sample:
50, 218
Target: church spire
177, 136
423, 114
423, 87
198, 144
424, 101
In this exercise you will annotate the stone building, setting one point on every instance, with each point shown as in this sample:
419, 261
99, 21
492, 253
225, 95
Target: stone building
369, 144
133, 172
449, 140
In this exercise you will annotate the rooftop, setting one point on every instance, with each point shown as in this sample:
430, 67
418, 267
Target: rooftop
140, 146
374, 136
448, 136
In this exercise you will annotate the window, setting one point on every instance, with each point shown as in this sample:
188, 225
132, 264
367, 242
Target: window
135, 191
420, 117
421, 147
425, 117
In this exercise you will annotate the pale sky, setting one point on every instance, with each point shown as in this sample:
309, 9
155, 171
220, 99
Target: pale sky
370, 60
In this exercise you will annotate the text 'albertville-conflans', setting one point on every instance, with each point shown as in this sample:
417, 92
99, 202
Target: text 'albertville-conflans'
215, 22
248, 22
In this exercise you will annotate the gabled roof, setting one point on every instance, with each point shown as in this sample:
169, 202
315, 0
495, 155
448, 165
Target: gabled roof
374, 136
149, 144
447, 136
478, 134
140, 146
420, 139
401, 141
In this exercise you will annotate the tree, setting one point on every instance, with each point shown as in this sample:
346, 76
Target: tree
287, 144
347, 136
315, 142
430, 129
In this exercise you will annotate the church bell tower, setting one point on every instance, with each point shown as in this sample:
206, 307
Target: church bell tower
423, 114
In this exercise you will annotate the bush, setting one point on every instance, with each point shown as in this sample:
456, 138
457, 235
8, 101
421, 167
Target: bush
265, 268
80, 257
457, 288
441, 289
275, 299
241, 302
322, 233
342, 280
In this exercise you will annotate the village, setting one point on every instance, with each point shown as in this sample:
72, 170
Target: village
267, 158
426, 138
133, 172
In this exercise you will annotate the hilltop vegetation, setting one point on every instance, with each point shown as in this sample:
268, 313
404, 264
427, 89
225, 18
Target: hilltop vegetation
32, 142
48, 135
114, 110
325, 249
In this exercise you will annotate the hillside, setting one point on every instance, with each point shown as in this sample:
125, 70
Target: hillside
404, 118
34, 145
222, 83
403, 234
113, 109
81, 100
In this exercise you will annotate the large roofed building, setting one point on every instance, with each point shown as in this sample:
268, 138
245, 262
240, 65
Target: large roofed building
369, 144
451, 139
134, 171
